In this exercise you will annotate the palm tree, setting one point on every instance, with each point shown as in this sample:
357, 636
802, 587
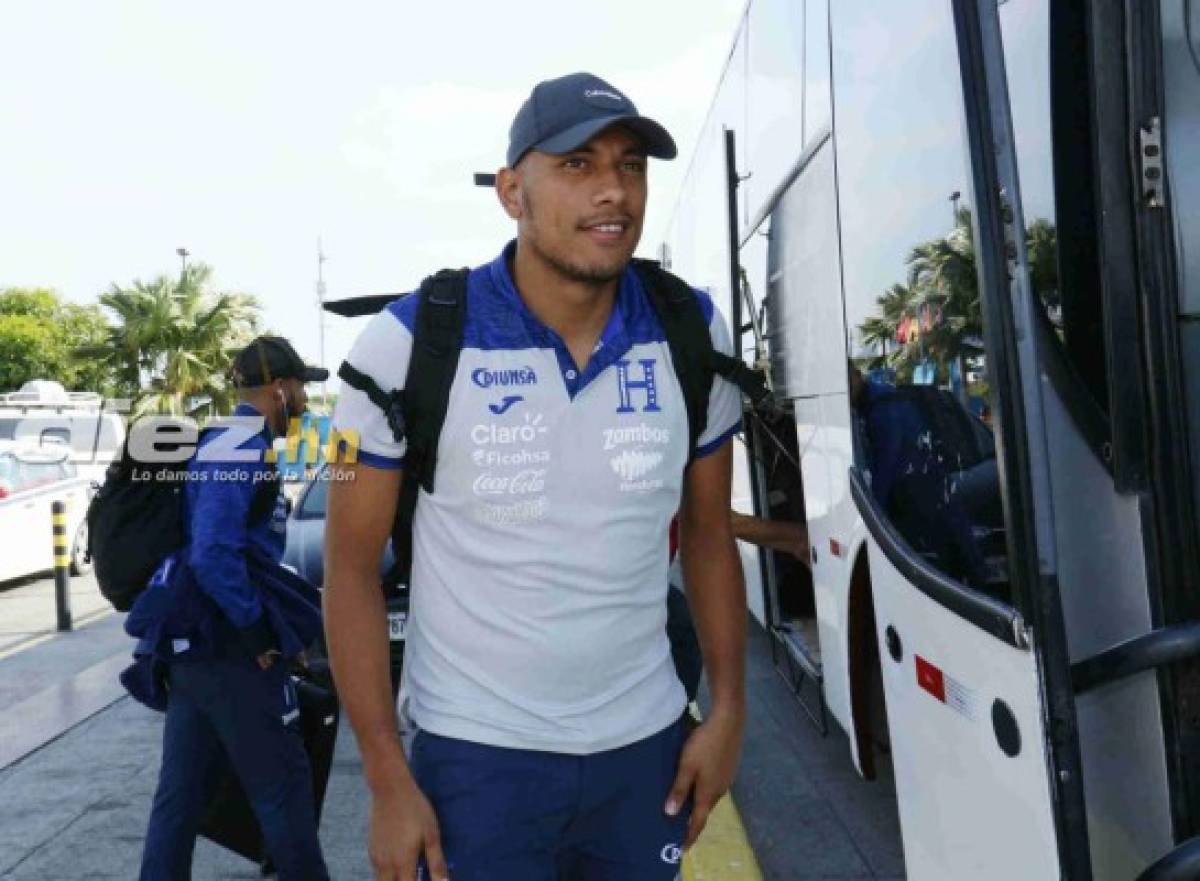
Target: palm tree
173, 340
942, 296
1041, 243
943, 272
896, 304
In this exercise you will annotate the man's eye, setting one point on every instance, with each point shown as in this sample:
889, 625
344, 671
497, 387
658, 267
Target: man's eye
574, 162
637, 166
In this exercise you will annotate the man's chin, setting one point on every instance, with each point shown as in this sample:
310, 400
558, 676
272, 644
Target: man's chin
595, 272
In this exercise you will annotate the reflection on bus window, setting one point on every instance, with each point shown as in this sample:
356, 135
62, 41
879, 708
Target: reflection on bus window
932, 467
1026, 26
913, 313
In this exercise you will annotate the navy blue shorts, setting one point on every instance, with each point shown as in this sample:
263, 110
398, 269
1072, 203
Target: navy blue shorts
523, 815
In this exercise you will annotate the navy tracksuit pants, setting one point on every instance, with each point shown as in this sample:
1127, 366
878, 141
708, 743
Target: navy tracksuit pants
227, 709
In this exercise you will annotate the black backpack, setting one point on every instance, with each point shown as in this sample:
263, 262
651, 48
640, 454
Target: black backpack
418, 411
135, 521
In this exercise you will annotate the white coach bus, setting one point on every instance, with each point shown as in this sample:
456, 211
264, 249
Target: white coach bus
992, 209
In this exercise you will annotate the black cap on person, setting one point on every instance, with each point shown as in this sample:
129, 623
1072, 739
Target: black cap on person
268, 358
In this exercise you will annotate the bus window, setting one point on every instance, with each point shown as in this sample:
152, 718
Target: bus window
1061, 244
918, 365
818, 103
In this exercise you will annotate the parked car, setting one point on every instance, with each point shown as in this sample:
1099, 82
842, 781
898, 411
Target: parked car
306, 544
32, 476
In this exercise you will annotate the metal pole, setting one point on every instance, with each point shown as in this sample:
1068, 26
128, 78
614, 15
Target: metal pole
321, 316
62, 565
735, 276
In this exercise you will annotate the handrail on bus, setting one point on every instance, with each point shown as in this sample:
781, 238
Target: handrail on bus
1154, 649
1181, 864
992, 616
807, 152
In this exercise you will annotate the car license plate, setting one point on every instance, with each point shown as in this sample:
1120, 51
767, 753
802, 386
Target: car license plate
397, 624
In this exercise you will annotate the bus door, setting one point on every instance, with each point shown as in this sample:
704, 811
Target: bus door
952, 478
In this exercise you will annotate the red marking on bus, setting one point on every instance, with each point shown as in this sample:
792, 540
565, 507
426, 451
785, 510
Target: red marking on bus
930, 678
835, 547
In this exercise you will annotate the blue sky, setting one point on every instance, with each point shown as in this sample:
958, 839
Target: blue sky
243, 131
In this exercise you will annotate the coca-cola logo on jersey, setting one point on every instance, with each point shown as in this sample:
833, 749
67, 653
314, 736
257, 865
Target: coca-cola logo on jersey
531, 480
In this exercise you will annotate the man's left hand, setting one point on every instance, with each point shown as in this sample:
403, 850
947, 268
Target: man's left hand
707, 767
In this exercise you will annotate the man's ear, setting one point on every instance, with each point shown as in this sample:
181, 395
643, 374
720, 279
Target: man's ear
508, 191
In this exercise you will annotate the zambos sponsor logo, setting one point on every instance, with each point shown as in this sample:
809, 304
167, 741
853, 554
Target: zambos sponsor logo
485, 378
635, 434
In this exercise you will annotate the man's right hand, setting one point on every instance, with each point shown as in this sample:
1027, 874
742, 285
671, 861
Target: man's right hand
403, 829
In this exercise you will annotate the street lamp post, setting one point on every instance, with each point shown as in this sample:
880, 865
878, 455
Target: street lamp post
183, 253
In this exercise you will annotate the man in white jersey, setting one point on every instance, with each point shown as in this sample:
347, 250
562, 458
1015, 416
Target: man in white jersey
538, 671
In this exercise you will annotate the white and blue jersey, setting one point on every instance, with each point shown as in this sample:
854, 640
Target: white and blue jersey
539, 571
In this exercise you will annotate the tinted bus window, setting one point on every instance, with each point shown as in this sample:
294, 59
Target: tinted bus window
919, 370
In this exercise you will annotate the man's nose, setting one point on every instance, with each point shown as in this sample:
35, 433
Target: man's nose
612, 188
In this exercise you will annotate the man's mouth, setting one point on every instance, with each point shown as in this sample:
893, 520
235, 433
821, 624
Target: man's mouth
605, 231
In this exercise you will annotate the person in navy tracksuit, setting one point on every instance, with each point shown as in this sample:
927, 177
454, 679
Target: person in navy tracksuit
229, 695
919, 491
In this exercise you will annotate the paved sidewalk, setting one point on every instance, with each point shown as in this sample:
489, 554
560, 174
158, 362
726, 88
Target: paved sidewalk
27, 610
76, 805
78, 809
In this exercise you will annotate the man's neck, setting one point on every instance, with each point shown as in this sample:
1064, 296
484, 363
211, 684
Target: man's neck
261, 408
576, 310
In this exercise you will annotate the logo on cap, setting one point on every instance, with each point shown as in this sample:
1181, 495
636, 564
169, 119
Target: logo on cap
603, 97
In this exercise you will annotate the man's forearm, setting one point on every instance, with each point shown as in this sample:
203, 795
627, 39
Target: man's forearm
357, 636
717, 595
779, 535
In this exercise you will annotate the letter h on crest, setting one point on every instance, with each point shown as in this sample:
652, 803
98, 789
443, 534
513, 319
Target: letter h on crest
625, 385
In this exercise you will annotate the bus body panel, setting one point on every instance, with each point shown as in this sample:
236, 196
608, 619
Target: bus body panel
967, 810
1103, 584
833, 594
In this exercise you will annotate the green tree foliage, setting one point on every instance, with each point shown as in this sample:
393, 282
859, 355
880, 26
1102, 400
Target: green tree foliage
936, 315
39, 333
172, 340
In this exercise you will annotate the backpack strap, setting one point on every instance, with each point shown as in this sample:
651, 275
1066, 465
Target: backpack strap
437, 344
688, 340
417, 412
390, 402
752, 383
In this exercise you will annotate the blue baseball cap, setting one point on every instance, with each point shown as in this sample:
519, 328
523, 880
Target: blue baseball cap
563, 114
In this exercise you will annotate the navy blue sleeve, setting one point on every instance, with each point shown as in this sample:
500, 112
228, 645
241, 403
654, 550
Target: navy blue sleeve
219, 507
886, 450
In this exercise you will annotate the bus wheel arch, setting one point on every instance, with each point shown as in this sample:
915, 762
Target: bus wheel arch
866, 685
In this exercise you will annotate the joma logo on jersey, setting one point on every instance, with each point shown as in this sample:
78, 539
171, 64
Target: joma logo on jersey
626, 387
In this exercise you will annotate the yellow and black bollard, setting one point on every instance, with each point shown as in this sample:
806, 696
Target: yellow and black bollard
62, 565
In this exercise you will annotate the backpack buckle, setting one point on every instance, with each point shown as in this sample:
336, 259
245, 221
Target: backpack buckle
395, 416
